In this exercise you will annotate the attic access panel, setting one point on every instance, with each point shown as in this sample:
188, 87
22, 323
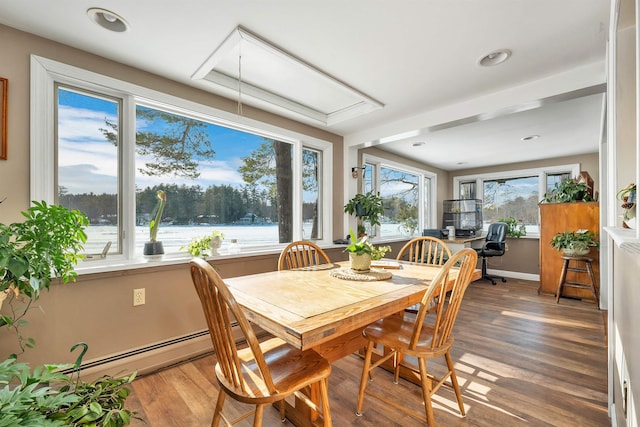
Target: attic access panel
254, 69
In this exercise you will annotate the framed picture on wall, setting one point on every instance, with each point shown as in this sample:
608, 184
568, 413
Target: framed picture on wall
4, 83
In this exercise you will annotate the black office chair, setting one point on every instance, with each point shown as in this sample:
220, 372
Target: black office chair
494, 245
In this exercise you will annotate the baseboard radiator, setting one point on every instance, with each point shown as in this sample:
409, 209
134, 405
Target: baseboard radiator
153, 357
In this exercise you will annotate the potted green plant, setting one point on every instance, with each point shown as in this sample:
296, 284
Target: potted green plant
366, 207
153, 246
569, 190
575, 243
47, 244
200, 246
361, 252
47, 396
515, 228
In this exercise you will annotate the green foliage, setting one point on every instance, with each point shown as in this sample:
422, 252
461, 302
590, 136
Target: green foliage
576, 240
568, 190
48, 243
379, 252
515, 228
157, 215
201, 246
366, 207
45, 396
363, 246
358, 246
173, 152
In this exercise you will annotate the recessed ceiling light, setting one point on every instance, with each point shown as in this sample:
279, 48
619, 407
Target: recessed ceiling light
108, 20
495, 58
529, 138
461, 163
418, 144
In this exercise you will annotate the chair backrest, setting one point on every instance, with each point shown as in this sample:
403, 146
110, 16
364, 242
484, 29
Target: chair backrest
217, 303
301, 254
447, 308
426, 250
496, 236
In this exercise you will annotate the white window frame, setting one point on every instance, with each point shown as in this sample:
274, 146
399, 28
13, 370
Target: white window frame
45, 73
541, 173
423, 221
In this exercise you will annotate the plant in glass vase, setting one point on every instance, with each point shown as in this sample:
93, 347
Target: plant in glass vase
200, 246
153, 246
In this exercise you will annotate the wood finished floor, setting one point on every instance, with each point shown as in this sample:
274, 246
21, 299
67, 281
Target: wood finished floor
521, 360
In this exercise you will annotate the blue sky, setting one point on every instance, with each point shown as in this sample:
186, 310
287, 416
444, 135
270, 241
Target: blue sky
88, 163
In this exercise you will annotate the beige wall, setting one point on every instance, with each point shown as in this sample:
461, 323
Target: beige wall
588, 162
98, 308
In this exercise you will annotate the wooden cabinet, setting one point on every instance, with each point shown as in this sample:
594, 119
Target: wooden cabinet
558, 217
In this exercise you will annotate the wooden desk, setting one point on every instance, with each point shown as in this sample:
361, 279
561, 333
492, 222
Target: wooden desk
465, 242
308, 308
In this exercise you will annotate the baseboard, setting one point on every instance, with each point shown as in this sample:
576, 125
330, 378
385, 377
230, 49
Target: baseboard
149, 358
153, 357
514, 275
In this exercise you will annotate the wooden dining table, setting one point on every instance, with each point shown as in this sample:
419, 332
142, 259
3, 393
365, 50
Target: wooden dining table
311, 308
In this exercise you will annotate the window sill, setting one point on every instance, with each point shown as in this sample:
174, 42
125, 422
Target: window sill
114, 263
625, 238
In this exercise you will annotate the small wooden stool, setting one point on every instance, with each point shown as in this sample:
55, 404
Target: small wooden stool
576, 268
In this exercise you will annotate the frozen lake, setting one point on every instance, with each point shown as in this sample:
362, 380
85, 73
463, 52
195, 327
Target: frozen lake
175, 236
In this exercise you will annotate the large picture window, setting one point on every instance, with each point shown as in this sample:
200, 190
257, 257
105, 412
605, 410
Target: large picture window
512, 194
406, 194
117, 144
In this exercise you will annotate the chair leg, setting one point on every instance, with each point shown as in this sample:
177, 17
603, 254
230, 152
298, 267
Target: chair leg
454, 382
324, 395
396, 368
218, 411
427, 386
283, 415
363, 379
257, 419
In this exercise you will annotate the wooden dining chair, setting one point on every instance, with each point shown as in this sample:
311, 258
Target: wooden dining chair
262, 373
425, 250
302, 254
404, 336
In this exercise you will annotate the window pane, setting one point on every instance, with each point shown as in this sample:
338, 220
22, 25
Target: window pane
87, 163
215, 178
516, 197
311, 211
468, 190
399, 191
426, 214
368, 183
553, 179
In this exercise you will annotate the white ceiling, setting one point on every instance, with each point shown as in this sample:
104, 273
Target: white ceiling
416, 57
